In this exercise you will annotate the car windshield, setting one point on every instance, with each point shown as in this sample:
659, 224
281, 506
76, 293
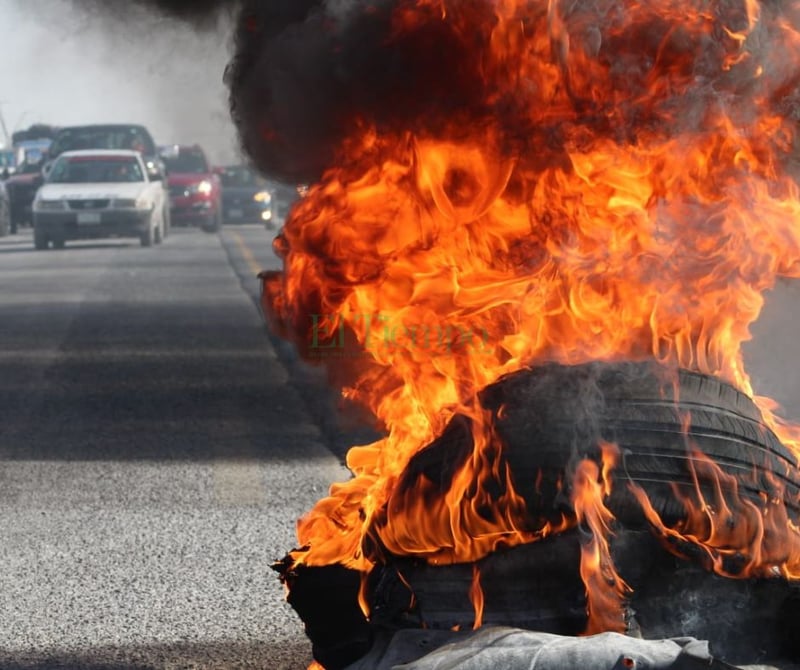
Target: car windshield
241, 177
99, 137
186, 161
95, 169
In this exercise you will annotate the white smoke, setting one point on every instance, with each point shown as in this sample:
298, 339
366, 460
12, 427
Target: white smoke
66, 66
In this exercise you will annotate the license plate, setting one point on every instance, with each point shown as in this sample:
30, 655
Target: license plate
235, 213
89, 217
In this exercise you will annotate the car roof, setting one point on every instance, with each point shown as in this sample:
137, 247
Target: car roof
103, 125
169, 148
102, 152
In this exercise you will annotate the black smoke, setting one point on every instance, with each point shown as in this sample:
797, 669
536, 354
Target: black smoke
305, 73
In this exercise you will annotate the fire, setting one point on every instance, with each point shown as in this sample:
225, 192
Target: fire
736, 537
605, 589
476, 595
616, 187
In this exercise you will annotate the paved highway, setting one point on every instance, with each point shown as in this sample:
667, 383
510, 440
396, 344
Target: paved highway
155, 451
155, 454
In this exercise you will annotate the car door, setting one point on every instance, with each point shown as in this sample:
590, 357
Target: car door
154, 189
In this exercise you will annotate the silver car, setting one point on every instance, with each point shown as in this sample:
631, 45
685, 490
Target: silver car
95, 193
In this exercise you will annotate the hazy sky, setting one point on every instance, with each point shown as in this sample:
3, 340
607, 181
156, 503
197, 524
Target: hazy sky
64, 67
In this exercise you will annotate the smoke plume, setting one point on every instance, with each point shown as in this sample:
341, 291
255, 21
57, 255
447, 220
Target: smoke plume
306, 73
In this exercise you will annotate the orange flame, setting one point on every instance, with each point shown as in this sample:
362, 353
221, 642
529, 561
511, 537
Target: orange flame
738, 538
605, 589
476, 596
622, 193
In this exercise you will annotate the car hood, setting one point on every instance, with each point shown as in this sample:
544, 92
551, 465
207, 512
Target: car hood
91, 191
187, 178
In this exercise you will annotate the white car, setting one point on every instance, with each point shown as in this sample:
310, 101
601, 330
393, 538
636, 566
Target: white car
99, 193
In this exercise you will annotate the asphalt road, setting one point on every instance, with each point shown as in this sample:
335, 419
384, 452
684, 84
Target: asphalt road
155, 456
156, 452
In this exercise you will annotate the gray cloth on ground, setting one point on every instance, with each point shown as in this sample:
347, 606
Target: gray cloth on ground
502, 648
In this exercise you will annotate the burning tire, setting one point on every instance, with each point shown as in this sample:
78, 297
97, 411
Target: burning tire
681, 436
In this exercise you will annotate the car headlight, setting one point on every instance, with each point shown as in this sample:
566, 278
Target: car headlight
203, 187
48, 205
125, 203
263, 196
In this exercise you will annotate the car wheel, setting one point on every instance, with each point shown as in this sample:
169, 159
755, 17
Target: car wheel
215, 223
40, 240
158, 234
5, 222
147, 237
58, 242
167, 222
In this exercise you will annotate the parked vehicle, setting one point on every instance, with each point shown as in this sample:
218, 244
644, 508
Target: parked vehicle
38, 160
31, 151
107, 136
34, 133
194, 189
246, 196
7, 163
22, 187
28, 146
286, 195
99, 193
5, 211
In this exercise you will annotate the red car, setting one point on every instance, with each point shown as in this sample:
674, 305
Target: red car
195, 193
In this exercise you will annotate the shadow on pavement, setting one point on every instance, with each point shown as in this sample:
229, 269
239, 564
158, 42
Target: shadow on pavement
293, 655
26, 246
186, 380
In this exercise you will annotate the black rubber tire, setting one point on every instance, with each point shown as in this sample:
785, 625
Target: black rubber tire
40, 240
5, 219
214, 225
553, 416
147, 238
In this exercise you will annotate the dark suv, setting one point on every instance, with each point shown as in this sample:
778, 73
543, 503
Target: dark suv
21, 188
107, 136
